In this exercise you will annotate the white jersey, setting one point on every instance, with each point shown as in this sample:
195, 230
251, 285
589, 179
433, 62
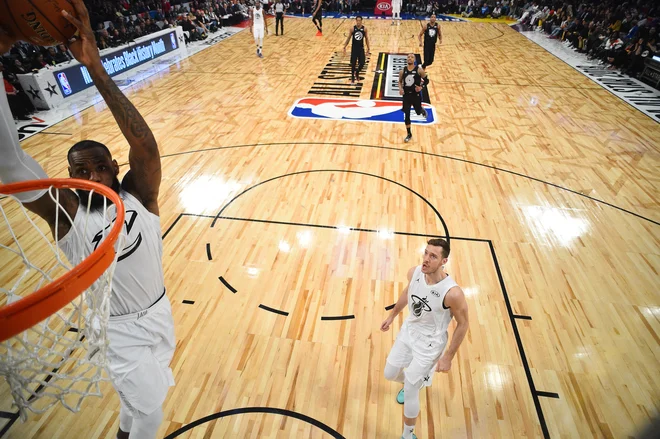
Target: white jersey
258, 17
138, 279
428, 315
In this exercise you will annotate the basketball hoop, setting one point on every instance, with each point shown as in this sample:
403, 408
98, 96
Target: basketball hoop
54, 314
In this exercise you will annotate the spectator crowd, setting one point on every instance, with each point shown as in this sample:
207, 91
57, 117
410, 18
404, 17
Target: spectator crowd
117, 22
620, 35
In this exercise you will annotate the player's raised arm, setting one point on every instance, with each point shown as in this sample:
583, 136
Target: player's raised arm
143, 180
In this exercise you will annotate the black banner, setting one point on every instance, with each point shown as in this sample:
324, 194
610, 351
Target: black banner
75, 79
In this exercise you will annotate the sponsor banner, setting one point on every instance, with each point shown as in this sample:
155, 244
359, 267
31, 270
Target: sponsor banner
75, 79
383, 7
361, 110
70, 107
386, 80
370, 16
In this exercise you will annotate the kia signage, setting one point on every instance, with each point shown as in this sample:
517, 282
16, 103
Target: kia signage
383, 7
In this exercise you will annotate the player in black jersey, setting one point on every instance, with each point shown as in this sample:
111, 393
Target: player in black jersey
316, 17
411, 81
359, 35
432, 34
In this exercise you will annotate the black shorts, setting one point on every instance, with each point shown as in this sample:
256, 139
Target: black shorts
412, 100
429, 53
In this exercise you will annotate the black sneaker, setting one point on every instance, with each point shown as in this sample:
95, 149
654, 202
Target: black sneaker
408, 137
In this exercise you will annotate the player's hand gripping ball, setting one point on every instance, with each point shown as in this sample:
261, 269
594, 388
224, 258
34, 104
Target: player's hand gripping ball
37, 21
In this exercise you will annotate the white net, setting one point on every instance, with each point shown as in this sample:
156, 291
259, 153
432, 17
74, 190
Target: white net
61, 359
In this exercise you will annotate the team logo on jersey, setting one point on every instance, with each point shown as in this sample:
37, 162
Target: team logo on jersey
386, 79
129, 222
357, 110
435, 293
419, 305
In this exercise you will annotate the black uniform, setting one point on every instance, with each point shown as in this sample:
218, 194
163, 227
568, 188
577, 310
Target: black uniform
317, 18
430, 38
357, 51
411, 79
279, 17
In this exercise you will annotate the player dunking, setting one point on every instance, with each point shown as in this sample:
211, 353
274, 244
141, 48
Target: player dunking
258, 25
140, 328
359, 35
411, 81
317, 17
432, 34
433, 298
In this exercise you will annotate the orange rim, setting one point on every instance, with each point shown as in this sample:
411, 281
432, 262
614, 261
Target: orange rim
30, 310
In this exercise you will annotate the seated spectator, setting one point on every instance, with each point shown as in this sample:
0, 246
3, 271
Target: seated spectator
63, 54
190, 28
39, 62
151, 27
19, 103
49, 56
497, 11
18, 68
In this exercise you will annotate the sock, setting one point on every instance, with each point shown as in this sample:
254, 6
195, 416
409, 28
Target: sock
408, 431
408, 130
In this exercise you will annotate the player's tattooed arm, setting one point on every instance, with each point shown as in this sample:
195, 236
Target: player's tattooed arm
143, 180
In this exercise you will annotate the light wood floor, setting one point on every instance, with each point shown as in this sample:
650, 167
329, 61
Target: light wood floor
584, 271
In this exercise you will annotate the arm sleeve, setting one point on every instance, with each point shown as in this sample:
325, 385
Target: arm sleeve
15, 164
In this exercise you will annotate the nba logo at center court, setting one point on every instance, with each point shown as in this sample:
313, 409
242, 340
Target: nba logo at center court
64, 83
363, 110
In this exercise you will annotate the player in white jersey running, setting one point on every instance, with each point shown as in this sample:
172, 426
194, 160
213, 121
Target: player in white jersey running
433, 298
141, 328
258, 24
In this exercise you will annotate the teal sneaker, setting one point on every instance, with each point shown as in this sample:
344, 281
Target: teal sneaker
414, 437
399, 397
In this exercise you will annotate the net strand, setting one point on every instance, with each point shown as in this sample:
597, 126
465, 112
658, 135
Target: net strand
49, 363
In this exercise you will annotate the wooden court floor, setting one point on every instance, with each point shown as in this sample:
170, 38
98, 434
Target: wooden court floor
546, 183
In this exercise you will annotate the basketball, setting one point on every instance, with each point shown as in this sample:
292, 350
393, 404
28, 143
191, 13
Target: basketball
37, 21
